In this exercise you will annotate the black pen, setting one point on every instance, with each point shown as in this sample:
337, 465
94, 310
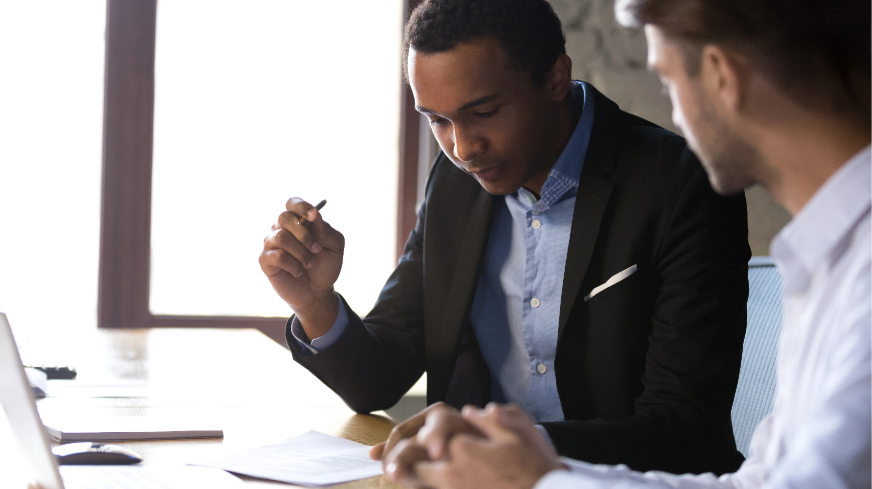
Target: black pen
318, 207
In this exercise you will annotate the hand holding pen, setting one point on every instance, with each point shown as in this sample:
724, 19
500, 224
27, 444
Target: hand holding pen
302, 258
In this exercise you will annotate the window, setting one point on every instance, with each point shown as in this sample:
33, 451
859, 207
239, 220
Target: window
256, 102
51, 100
189, 111
83, 231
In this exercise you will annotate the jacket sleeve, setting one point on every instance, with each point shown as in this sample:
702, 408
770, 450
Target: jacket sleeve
377, 359
697, 327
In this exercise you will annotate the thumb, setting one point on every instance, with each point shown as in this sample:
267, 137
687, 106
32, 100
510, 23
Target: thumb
329, 238
489, 422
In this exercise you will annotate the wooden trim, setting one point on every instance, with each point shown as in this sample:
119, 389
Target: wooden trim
407, 185
407, 191
128, 112
270, 326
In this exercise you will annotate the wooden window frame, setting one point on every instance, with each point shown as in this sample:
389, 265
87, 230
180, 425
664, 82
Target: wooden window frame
128, 122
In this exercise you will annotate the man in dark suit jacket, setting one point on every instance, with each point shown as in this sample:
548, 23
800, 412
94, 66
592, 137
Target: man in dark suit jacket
652, 305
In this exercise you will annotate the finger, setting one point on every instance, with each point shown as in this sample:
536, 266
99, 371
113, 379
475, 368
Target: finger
284, 240
488, 421
433, 473
403, 431
463, 447
439, 427
327, 236
273, 262
302, 214
302, 208
377, 452
401, 461
514, 418
304, 234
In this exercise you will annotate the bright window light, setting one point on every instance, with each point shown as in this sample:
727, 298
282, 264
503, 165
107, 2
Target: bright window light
255, 102
51, 120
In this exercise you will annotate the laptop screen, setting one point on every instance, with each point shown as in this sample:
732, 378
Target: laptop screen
17, 399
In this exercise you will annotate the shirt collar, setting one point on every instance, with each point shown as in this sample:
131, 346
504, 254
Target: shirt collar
812, 236
566, 172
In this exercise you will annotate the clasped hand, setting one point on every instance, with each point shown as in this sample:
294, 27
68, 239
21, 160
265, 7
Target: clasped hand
495, 447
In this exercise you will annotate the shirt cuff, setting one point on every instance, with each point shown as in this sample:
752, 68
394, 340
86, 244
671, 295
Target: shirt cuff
559, 479
579, 476
324, 341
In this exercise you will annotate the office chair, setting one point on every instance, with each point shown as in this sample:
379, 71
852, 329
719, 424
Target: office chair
755, 393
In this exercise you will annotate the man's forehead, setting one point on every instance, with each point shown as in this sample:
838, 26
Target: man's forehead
448, 80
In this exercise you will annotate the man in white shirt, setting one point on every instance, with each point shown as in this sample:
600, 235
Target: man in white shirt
769, 92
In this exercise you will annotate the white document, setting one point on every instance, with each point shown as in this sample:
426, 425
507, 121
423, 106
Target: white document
311, 459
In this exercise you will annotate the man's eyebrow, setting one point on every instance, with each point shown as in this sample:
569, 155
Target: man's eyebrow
479, 101
468, 105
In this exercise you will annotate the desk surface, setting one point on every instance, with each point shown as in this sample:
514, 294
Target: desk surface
239, 378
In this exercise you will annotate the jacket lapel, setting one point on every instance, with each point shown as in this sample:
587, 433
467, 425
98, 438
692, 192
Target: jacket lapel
445, 340
590, 204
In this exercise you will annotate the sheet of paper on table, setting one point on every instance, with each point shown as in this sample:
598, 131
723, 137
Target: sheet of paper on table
311, 459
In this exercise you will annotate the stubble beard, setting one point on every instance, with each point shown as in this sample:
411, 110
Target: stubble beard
728, 160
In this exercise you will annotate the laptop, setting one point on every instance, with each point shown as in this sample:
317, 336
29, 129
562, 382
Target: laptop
17, 399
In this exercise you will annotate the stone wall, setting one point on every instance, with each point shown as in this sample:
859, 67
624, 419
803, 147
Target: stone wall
613, 59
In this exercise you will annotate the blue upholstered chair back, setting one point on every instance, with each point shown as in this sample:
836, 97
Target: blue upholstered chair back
755, 393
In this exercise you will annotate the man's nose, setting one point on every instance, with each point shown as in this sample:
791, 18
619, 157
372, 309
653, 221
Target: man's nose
467, 145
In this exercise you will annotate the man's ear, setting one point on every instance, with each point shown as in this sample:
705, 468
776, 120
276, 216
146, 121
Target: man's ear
723, 77
559, 79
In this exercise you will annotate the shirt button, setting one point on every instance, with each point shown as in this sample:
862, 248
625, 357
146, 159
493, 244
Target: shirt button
536, 224
534, 302
542, 368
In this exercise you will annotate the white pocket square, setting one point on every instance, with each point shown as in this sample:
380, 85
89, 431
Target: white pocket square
612, 281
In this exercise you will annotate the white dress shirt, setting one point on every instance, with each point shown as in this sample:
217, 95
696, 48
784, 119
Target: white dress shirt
818, 434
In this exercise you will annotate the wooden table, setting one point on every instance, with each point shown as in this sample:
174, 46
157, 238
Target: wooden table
240, 379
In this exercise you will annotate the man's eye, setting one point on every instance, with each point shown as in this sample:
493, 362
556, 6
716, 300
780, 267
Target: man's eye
485, 115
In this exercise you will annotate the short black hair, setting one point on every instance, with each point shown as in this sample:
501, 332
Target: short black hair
528, 30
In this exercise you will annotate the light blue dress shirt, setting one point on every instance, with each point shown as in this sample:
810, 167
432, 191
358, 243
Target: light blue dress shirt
516, 308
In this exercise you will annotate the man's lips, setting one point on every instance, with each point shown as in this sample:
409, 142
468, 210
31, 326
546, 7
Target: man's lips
488, 174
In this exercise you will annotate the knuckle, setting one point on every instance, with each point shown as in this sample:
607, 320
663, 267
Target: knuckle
403, 431
281, 238
288, 262
437, 406
285, 219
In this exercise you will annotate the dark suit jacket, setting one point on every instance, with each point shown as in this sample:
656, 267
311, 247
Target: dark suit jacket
646, 370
